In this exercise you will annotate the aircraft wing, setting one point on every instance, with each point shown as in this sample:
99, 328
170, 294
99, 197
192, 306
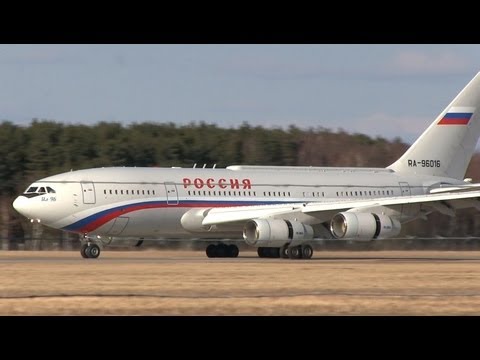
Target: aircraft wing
218, 216
443, 202
451, 200
455, 188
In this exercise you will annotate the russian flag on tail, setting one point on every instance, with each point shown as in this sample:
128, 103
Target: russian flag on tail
457, 116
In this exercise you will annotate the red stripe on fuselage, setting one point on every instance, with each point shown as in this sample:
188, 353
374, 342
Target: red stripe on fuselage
95, 224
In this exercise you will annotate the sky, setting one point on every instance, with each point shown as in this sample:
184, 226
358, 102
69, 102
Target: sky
378, 90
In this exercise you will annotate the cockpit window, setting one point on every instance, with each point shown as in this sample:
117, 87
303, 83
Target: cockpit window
39, 190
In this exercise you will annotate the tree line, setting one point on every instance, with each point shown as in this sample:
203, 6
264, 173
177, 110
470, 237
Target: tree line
44, 147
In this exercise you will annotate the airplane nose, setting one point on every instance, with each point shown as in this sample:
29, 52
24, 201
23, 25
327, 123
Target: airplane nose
20, 204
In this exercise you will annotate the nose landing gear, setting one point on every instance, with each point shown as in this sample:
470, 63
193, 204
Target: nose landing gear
90, 251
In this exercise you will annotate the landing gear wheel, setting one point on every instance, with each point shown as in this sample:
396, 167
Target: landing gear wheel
268, 252
294, 252
221, 250
284, 252
211, 251
307, 252
94, 251
232, 250
83, 250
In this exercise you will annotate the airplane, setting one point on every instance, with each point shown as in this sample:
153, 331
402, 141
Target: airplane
280, 210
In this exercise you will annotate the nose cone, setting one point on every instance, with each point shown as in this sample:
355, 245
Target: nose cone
21, 205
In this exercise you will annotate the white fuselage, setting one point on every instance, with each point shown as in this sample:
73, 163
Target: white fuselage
153, 202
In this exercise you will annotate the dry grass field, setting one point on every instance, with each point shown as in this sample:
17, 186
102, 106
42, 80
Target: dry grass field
187, 283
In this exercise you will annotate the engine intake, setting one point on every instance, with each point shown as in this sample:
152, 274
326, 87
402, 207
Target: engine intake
276, 232
363, 226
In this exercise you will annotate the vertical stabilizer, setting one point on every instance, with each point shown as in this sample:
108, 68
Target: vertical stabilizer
446, 147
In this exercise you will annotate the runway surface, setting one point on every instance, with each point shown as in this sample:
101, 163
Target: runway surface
188, 283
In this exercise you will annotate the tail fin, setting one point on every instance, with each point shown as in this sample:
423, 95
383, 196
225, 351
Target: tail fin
446, 147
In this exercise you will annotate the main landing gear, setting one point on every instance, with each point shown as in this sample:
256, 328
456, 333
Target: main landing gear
222, 250
90, 251
292, 252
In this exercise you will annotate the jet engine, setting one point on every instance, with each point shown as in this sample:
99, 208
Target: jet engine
275, 232
363, 226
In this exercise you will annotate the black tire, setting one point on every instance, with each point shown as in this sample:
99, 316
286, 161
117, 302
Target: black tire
222, 250
275, 253
307, 252
83, 249
94, 251
294, 252
232, 251
211, 251
261, 252
284, 252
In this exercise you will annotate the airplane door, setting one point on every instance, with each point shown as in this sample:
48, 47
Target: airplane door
118, 226
405, 191
88, 191
172, 194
